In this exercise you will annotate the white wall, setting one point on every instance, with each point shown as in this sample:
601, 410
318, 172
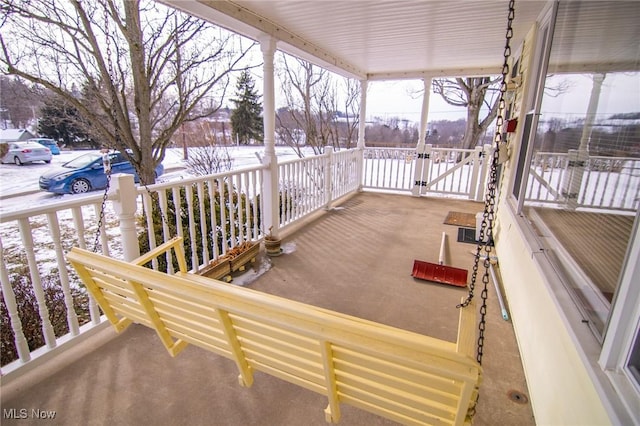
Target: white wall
560, 387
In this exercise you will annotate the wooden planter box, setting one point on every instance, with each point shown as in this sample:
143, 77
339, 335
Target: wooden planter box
235, 259
219, 269
248, 253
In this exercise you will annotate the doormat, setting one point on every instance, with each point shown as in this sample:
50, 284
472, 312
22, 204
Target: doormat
468, 220
466, 235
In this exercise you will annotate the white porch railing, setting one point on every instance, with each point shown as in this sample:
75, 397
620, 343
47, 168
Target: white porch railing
428, 170
212, 213
305, 186
217, 212
611, 183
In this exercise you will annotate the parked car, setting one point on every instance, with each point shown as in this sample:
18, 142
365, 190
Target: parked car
86, 173
49, 143
26, 152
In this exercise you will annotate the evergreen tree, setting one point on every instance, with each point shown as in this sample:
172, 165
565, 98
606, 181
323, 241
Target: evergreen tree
61, 121
246, 118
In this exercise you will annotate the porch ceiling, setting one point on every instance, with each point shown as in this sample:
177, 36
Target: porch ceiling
379, 39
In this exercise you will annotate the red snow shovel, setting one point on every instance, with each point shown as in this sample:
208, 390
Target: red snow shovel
439, 272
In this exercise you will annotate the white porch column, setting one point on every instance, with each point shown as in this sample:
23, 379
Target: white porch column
271, 214
125, 207
577, 159
422, 137
362, 124
363, 112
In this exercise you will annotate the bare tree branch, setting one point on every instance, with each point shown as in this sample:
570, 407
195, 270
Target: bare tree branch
143, 69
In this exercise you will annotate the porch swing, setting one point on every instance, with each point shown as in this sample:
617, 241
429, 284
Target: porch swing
404, 376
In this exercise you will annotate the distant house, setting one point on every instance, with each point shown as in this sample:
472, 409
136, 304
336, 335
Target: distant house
12, 135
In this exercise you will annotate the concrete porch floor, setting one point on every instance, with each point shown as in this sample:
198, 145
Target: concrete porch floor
355, 259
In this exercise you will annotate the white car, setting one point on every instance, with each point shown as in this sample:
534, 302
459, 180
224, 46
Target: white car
26, 152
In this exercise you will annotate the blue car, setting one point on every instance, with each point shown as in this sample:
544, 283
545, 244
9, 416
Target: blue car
86, 173
49, 143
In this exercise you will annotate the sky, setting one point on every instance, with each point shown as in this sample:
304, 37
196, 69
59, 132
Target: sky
620, 93
403, 99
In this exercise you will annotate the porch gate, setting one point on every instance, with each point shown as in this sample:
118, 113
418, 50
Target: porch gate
461, 172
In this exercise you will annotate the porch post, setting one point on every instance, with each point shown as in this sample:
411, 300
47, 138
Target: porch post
417, 175
363, 112
362, 124
329, 176
125, 207
270, 174
572, 180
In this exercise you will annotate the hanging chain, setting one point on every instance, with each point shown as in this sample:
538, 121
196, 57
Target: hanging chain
106, 161
488, 216
102, 208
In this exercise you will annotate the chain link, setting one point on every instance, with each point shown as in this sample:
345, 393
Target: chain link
102, 208
105, 196
488, 216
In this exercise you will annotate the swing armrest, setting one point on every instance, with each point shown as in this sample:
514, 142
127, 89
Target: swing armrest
175, 243
467, 330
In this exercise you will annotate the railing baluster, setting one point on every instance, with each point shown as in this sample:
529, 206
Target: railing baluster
232, 212
78, 225
240, 221
104, 241
147, 204
54, 230
256, 184
164, 212
203, 223
36, 283
22, 347
214, 218
223, 215
246, 197
195, 262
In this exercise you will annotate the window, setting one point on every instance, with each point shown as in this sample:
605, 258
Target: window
579, 180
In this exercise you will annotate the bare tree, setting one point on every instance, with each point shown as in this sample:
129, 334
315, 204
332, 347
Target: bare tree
18, 103
352, 112
473, 93
208, 155
299, 80
314, 99
145, 68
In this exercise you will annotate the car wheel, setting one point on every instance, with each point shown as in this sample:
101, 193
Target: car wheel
80, 186
47, 161
17, 161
